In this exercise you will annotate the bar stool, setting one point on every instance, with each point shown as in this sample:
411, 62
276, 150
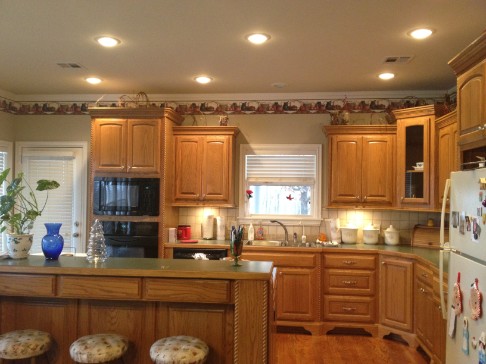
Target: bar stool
24, 344
99, 348
179, 350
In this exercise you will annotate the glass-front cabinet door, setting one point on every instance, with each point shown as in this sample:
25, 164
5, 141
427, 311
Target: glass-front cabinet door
414, 161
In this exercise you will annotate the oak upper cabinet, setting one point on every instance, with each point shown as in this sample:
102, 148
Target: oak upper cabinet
415, 136
126, 145
470, 69
361, 165
204, 166
447, 152
396, 287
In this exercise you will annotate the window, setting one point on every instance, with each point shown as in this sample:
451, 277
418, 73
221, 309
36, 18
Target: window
283, 182
5, 162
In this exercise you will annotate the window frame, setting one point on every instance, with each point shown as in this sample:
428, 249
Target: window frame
281, 149
6, 146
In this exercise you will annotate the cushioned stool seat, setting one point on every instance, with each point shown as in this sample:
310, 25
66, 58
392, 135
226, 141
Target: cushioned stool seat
22, 344
98, 348
179, 350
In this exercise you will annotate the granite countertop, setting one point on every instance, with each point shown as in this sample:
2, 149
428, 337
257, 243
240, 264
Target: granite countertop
428, 255
139, 267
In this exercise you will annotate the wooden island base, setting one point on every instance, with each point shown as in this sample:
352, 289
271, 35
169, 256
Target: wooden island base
143, 299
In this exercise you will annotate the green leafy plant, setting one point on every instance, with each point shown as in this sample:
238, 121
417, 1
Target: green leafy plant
19, 207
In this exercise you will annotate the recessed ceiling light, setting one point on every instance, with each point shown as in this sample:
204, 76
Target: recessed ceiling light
258, 38
386, 76
108, 41
203, 79
421, 33
93, 80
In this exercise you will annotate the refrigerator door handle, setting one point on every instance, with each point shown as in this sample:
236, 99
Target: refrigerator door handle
447, 187
443, 306
444, 247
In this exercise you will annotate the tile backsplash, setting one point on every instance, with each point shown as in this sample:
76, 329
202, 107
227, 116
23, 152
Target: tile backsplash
402, 220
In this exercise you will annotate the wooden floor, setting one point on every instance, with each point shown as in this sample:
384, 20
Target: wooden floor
341, 349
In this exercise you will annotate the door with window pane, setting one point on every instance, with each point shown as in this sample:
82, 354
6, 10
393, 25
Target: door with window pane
66, 204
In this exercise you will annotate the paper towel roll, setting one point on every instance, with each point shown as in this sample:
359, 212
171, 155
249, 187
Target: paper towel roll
208, 227
220, 228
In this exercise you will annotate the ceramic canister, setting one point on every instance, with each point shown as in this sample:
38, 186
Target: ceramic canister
392, 236
371, 234
349, 234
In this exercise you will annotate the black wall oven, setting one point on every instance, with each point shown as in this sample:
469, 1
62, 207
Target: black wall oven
126, 196
131, 239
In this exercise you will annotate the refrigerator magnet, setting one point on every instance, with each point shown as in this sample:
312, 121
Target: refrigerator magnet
457, 295
465, 337
475, 301
482, 348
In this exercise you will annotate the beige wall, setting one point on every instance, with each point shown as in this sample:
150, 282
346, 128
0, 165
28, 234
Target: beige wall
7, 131
52, 128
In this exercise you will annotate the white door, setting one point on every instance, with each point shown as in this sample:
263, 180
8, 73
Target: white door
67, 164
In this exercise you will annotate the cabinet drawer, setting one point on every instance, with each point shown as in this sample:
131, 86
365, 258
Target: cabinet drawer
100, 287
349, 309
27, 285
424, 274
344, 261
360, 282
283, 259
183, 290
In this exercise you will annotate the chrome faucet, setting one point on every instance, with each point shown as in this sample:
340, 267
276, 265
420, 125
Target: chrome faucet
286, 241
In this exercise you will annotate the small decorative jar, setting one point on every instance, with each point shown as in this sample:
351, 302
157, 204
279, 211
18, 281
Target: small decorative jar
52, 242
392, 236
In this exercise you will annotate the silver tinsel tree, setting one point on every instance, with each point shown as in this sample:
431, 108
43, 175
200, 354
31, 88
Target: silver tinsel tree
96, 252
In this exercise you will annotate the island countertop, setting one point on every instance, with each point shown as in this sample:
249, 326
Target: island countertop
140, 267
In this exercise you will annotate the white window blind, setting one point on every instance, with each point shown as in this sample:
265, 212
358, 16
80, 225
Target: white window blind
60, 204
285, 167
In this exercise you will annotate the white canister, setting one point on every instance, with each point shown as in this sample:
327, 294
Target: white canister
349, 234
370, 234
208, 227
392, 236
172, 235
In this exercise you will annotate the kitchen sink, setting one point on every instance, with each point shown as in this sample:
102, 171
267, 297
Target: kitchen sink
265, 243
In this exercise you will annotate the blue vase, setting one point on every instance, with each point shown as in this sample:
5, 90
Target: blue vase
52, 242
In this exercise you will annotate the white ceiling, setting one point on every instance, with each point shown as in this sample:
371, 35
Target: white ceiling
316, 45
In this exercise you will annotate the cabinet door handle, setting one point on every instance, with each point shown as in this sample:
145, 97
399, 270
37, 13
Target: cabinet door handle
350, 283
365, 198
349, 262
425, 275
203, 196
348, 309
383, 263
402, 198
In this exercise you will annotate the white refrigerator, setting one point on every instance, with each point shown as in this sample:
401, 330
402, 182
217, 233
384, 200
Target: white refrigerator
466, 322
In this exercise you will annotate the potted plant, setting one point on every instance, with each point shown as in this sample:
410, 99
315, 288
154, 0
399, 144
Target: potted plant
19, 209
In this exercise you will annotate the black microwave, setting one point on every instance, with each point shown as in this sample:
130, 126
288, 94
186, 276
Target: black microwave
126, 196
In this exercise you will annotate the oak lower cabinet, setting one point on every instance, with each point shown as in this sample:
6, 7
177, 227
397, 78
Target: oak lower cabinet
126, 145
396, 297
430, 327
204, 166
361, 165
296, 287
349, 291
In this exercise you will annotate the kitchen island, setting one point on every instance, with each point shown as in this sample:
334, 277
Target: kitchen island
143, 299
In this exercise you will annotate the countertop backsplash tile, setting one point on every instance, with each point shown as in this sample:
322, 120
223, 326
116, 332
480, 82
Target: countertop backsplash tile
402, 220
